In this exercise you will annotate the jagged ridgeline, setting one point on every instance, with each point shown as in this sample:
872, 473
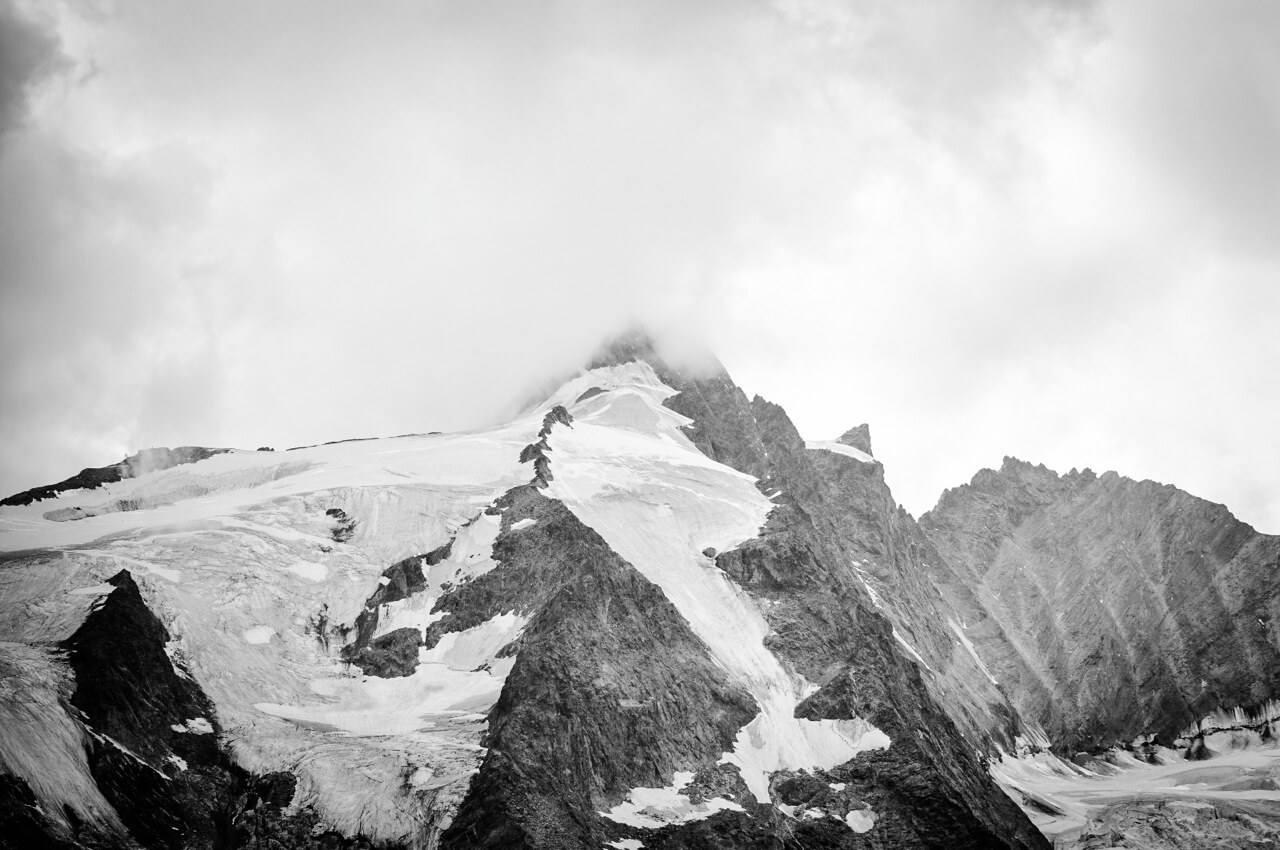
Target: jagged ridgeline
1110, 608
645, 613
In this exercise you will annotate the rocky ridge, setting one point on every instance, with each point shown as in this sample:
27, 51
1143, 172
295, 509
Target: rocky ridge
1110, 608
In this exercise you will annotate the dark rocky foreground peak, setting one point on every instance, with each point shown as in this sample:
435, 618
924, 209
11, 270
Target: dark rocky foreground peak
155, 754
1116, 608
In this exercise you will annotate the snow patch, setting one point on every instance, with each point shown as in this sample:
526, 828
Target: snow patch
861, 575
840, 449
861, 820
194, 726
169, 575
97, 590
524, 523
964, 640
259, 634
652, 808
310, 570
477, 646
911, 649
627, 844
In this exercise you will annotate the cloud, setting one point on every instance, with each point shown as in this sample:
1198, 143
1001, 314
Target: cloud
987, 228
29, 55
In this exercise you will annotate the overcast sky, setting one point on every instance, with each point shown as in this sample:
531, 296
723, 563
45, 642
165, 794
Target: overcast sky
1049, 230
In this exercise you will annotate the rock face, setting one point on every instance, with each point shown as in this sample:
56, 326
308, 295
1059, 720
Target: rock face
1154, 824
1110, 608
858, 437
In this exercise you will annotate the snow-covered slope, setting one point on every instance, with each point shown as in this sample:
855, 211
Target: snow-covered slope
406, 640
237, 556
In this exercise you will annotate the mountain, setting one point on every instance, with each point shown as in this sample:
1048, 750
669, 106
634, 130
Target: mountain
1110, 609
644, 613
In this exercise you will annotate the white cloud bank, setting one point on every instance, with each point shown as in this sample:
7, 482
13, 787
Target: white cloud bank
1042, 229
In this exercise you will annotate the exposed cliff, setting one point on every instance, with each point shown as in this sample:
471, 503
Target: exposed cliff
1113, 607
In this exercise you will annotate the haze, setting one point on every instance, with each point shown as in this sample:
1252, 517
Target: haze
1049, 230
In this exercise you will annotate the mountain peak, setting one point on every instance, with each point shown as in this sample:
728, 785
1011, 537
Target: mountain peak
670, 355
858, 437
633, 344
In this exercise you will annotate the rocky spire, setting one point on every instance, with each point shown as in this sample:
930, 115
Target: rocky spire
859, 438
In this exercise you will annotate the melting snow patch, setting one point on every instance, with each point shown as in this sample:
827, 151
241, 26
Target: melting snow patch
165, 573
310, 570
179, 761
627, 844
259, 634
96, 590
477, 646
524, 523
652, 808
861, 820
911, 649
871, 591
964, 639
195, 726
840, 449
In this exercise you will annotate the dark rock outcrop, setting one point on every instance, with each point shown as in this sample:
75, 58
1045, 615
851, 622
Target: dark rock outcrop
1124, 607
147, 460
166, 784
536, 452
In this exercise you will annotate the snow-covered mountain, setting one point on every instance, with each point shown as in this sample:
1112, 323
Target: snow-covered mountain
644, 613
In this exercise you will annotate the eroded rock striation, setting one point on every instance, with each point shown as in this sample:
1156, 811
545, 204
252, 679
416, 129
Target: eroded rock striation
1110, 608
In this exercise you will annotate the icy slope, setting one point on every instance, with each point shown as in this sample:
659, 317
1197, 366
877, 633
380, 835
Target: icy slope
238, 556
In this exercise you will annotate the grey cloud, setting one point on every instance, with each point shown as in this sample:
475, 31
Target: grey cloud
257, 225
29, 54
